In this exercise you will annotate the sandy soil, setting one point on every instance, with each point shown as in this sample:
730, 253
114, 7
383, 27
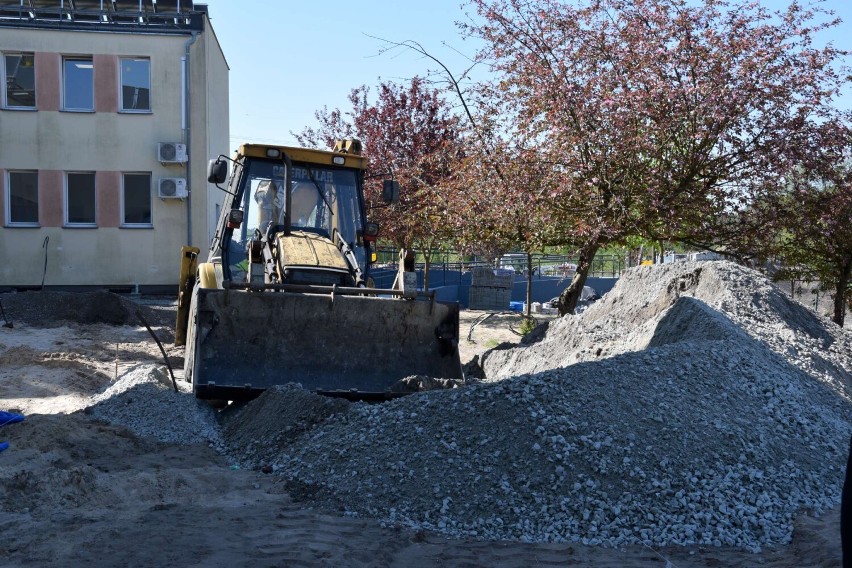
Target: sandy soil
76, 492
481, 330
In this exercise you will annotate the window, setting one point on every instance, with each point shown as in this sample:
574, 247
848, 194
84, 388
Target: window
20, 80
22, 197
78, 84
135, 85
136, 199
80, 199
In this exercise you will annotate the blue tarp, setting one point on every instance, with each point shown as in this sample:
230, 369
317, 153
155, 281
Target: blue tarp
8, 418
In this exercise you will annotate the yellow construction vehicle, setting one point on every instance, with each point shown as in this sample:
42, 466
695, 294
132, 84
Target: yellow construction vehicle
283, 296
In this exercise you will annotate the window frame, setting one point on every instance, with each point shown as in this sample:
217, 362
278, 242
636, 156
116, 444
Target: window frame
123, 220
121, 108
4, 96
66, 202
64, 90
7, 199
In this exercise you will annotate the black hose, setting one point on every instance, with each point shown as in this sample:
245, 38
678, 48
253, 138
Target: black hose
3, 312
160, 345
44, 273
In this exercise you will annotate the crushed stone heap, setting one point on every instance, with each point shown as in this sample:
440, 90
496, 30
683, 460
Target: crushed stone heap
693, 404
143, 401
652, 306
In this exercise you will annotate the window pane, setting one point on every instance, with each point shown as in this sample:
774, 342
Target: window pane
79, 85
137, 199
81, 198
23, 197
135, 84
20, 80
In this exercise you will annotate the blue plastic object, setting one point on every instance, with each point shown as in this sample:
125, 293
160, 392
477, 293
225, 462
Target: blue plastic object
516, 306
9, 418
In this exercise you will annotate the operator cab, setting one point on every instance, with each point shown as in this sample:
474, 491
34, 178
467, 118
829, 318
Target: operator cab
324, 200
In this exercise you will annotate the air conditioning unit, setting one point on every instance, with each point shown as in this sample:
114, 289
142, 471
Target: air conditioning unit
171, 153
172, 188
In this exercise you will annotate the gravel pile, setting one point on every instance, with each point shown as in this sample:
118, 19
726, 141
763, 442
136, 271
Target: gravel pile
274, 420
657, 305
693, 404
143, 400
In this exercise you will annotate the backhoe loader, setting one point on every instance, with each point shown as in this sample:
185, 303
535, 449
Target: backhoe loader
285, 294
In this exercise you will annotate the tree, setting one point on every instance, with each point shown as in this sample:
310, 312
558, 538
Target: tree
500, 202
410, 133
656, 118
812, 219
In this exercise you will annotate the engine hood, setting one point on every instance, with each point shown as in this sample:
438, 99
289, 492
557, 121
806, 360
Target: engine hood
308, 250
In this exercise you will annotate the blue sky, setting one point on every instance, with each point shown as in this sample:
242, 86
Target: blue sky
289, 59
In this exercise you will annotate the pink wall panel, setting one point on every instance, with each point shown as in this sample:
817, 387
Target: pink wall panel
108, 186
2, 197
106, 83
48, 74
50, 198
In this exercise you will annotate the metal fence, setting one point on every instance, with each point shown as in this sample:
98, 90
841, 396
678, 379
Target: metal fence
443, 271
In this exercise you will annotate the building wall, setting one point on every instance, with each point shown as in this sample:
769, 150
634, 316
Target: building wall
109, 142
215, 120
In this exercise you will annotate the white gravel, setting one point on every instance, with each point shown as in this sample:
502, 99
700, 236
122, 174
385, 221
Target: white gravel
694, 404
143, 400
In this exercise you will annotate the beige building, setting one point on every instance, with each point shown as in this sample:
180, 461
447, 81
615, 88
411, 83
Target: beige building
109, 112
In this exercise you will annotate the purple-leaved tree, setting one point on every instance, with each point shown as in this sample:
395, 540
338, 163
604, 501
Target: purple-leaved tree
655, 118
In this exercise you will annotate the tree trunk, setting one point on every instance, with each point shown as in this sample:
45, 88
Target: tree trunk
529, 284
841, 292
571, 295
428, 255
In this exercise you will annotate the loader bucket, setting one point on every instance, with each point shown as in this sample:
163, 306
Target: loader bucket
242, 342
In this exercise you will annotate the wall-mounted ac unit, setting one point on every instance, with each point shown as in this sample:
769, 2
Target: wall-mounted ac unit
172, 188
171, 153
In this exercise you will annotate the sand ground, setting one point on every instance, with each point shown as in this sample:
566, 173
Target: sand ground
76, 492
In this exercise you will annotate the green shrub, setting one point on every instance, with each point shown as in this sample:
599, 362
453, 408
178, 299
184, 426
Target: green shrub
527, 325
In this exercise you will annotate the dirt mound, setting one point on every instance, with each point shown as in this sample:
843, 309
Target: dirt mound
53, 308
73, 452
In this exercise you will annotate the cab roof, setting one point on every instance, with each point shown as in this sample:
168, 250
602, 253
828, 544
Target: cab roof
312, 156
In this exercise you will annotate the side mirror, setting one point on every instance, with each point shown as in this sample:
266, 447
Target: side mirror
390, 191
217, 171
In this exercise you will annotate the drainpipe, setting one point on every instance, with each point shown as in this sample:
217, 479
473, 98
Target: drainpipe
186, 119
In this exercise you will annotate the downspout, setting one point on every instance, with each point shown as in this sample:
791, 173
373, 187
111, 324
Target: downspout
187, 134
